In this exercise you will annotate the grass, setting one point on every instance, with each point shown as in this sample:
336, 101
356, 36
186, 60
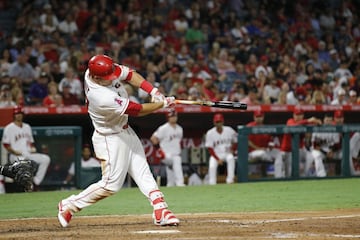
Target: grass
245, 197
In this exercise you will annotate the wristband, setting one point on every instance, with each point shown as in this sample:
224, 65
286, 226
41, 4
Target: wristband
146, 86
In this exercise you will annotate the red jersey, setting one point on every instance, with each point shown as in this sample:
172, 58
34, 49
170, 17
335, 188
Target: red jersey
286, 140
260, 140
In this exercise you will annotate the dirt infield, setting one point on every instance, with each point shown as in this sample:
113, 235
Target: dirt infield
337, 224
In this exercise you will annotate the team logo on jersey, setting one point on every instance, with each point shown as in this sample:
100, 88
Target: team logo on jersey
118, 101
117, 85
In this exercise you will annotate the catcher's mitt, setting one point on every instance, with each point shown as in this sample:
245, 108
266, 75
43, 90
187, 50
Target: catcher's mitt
24, 171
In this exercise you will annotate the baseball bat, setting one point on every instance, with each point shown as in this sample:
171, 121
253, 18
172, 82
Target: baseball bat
218, 104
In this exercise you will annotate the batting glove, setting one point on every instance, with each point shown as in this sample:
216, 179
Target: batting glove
156, 96
169, 102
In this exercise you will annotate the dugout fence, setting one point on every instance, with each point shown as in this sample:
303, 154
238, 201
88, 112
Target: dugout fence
295, 131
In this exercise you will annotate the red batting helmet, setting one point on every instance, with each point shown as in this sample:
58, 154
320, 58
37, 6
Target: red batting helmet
104, 67
218, 118
18, 109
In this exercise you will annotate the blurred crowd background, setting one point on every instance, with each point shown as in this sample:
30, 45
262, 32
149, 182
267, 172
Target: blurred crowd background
253, 51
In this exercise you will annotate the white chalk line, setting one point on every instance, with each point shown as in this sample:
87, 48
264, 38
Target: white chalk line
282, 220
157, 231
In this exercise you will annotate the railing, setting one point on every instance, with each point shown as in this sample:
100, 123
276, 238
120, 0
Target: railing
295, 131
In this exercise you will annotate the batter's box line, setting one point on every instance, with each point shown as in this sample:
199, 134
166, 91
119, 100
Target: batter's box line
247, 222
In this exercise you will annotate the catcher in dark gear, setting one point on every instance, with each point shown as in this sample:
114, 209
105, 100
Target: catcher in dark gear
22, 171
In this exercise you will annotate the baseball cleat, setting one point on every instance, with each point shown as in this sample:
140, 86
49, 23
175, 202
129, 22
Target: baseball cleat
165, 218
64, 216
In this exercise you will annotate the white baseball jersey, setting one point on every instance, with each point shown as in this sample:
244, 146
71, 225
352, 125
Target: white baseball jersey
106, 105
220, 142
170, 138
19, 138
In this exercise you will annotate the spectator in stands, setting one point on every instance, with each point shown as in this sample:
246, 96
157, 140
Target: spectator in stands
283, 169
252, 97
17, 92
327, 20
71, 79
271, 90
223, 64
318, 98
183, 56
343, 70
6, 97
334, 61
69, 98
38, 90
282, 98
341, 98
151, 40
194, 35
262, 146
54, 98
263, 67
37, 53
23, 71
68, 25
5, 61
87, 161
48, 19
5, 78
181, 24
353, 98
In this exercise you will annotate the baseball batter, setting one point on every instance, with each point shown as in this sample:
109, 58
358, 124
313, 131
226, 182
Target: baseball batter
169, 136
19, 142
219, 141
114, 141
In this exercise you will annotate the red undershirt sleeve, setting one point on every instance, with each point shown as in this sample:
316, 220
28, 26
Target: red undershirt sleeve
133, 108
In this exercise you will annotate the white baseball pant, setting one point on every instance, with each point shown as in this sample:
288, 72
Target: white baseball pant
174, 171
213, 166
283, 165
121, 153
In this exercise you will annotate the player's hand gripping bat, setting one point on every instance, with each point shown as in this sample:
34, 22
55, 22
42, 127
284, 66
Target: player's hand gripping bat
218, 104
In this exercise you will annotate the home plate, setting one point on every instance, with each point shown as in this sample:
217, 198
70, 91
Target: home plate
157, 231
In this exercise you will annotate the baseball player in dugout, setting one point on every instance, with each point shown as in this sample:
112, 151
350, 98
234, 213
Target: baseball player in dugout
18, 140
115, 142
262, 146
283, 168
221, 143
168, 136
